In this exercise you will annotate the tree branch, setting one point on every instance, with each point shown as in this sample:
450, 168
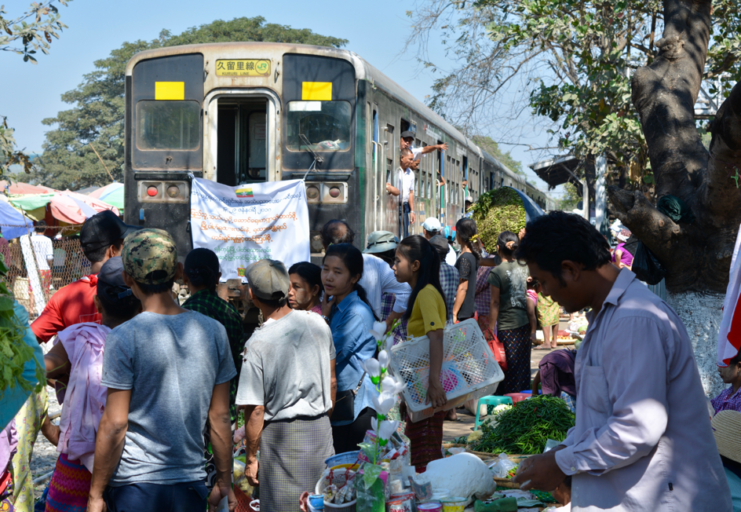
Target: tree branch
653, 228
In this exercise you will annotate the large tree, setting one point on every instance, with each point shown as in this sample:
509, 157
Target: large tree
602, 72
97, 117
698, 254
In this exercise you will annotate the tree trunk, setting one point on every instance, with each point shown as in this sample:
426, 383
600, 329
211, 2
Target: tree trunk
698, 255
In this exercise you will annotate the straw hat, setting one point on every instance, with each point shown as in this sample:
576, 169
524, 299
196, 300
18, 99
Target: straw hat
727, 431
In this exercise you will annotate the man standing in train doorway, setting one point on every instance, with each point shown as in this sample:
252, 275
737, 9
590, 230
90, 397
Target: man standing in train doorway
404, 190
407, 142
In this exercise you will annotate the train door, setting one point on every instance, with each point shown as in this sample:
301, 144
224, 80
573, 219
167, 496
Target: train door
378, 174
241, 138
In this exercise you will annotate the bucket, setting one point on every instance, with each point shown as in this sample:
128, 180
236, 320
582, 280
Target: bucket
342, 458
339, 478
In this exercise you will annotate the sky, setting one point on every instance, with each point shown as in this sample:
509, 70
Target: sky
377, 31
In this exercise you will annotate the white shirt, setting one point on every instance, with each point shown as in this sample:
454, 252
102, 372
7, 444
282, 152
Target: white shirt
451, 257
416, 151
43, 249
378, 278
405, 184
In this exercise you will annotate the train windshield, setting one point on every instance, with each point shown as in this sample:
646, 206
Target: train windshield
168, 125
319, 126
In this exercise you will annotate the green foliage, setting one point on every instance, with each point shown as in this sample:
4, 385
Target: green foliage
14, 352
97, 115
498, 210
33, 30
589, 49
490, 146
526, 427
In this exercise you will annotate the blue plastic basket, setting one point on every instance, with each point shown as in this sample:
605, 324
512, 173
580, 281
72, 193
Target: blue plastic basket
342, 458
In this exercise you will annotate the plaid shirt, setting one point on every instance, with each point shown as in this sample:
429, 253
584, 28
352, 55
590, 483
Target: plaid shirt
449, 281
387, 305
482, 299
727, 401
208, 303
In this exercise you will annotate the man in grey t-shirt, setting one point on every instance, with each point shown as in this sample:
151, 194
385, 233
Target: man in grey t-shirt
288, 386
167, 370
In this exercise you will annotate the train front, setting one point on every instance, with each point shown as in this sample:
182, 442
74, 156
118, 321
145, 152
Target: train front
240, 113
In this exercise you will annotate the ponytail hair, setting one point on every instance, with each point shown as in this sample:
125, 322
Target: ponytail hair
417, 248
353, 260
507, 243
469, 236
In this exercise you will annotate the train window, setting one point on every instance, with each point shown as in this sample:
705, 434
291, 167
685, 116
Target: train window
319, 125
168, 125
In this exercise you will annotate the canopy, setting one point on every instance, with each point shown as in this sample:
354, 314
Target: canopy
74, 208
112, 194
68, 207
13, 222
31, 202
26, 188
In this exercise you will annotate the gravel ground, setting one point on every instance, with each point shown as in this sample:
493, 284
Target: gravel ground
44, 453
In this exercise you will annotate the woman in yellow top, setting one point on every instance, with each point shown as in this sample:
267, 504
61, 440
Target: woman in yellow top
418, 264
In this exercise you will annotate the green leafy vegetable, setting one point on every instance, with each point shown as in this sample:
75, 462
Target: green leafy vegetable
14, 352
526, 427
498, 210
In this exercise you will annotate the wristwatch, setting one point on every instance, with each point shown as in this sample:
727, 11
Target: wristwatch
326, 318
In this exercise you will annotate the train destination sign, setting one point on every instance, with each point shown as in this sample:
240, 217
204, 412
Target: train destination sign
242, 67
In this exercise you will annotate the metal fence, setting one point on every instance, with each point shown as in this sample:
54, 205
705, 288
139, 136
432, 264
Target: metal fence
68, 264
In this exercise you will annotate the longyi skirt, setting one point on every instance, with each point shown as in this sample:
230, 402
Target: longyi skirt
292, 455
517, 345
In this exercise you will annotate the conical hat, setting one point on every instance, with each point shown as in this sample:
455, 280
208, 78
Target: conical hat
727, 431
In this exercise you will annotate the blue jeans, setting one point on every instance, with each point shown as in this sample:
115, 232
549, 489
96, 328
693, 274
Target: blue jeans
145, 497
404, 211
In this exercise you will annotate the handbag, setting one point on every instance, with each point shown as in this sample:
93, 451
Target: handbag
344, 403
497, 348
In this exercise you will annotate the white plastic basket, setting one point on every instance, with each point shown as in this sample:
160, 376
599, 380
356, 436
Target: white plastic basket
469, 369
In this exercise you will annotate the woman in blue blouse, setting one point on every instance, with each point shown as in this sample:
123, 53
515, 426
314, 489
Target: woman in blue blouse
351, 320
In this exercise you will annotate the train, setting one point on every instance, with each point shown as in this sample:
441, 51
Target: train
251, 112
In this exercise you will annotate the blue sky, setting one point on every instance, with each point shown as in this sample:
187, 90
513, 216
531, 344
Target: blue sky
376, 30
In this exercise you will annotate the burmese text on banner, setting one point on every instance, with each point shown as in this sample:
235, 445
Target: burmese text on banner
252, 222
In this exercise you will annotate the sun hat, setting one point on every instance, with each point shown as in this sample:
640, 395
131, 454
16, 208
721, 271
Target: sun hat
381, 241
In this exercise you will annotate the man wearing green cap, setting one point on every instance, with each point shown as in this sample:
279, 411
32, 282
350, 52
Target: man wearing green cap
167, 370
287, 385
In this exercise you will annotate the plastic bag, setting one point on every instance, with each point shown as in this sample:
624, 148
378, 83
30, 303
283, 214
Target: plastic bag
647, 267
502, 467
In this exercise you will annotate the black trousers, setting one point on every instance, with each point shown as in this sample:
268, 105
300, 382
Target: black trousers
347, 437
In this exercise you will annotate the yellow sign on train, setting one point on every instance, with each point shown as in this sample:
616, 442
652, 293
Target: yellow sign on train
316, 91
172, 91
242, 67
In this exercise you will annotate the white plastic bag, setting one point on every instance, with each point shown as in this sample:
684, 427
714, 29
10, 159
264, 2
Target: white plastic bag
502, 466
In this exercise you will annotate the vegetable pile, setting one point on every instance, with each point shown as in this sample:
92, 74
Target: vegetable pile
14, 352
526, 427
498, 210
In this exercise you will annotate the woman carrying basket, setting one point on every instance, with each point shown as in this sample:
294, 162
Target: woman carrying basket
417, 264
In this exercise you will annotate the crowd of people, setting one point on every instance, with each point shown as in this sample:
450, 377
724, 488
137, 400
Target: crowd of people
152, 390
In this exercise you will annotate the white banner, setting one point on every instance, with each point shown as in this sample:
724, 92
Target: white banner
248, 223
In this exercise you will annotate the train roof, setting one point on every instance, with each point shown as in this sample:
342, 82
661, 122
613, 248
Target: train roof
363, 71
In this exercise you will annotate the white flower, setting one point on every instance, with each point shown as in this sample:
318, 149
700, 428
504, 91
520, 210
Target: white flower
374, 425
383, 403
372, 368
392, 386
383, 359
379, 330
387, 429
